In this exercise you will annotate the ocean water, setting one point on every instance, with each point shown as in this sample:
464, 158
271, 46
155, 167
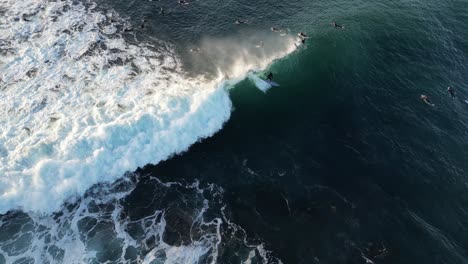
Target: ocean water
135, 136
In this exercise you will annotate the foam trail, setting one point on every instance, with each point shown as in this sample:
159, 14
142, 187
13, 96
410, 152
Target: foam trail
80, 105
261, 84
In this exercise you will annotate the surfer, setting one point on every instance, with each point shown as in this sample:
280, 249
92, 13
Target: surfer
300, 42
143, 22
161, 11
270, 76
302, 35
128, 28
196, 50
281, 31
259, 44
284, 32
183, 2
451, 91
238, 22
335, 25
275, 29
426, 100
25, 18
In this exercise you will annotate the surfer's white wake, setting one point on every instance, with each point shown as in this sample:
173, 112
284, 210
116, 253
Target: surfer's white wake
79, 105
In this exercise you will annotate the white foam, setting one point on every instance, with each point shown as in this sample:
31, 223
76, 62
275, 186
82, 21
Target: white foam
259, 83
98, 228
67, 234
79, 105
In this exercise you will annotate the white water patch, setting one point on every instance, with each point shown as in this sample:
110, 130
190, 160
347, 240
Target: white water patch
80, 105
259, 83
106, 226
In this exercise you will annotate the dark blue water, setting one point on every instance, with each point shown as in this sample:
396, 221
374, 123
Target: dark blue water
343, 163
344, 159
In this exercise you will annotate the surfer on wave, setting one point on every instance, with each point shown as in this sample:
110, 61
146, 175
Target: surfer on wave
270, 76
302, 37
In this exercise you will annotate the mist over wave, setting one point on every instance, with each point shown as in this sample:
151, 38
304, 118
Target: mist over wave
82, 105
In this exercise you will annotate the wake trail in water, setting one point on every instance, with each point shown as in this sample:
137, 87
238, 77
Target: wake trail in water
80, 105
259, 83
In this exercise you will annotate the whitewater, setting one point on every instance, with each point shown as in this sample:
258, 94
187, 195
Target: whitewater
80, 104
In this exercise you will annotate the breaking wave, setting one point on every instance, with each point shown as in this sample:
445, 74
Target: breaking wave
81, 105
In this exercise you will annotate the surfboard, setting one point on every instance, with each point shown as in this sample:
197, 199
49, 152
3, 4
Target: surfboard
272, 83
262, 84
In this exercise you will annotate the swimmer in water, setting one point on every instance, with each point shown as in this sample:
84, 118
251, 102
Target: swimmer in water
451, 91
284, 32
426, 100
183, 2
143, 22
335, 25
238, 22
281, 31
275, 29
161, 11
196, 50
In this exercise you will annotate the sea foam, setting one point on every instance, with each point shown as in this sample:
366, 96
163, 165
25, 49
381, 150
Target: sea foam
79, 104
107, 225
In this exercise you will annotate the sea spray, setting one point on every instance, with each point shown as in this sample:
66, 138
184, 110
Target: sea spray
81, 105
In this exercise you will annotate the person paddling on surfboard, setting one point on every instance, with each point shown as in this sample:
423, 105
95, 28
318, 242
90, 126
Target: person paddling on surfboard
275, 29
335, 25
426, 100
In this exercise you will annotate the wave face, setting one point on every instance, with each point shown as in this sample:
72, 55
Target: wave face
80, 104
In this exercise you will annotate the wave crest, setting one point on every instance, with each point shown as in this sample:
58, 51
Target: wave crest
81, 105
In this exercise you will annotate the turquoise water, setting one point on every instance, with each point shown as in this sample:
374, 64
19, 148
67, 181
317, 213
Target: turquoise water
343, 163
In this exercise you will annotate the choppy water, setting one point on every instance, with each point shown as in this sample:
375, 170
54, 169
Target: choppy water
343, 163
